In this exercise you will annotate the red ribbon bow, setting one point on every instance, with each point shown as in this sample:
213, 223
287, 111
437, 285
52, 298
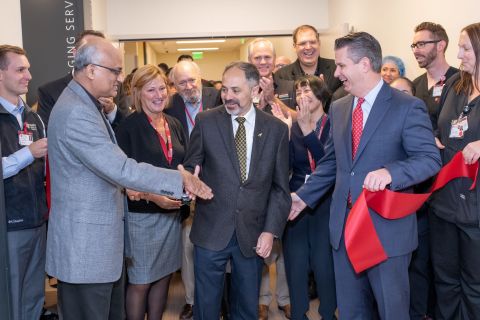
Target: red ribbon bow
363, 246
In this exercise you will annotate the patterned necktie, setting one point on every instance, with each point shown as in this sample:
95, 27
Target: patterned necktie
241, 144
357, 126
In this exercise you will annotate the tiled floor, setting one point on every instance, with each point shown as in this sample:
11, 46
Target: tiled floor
176, 302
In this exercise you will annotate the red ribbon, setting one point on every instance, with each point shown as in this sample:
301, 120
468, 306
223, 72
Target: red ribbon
363, 246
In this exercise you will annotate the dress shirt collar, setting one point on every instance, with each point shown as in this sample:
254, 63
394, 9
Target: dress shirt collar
371, 95
249, 117
11, 108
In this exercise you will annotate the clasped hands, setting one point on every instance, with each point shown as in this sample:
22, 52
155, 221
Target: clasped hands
374, 181
194, 187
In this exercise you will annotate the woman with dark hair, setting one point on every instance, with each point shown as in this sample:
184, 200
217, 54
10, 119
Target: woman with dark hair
392, 68
454, 224
149, 135
306, 243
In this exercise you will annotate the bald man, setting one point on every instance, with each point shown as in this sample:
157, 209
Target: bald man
85, 243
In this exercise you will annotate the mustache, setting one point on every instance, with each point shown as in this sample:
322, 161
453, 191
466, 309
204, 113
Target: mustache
231, 101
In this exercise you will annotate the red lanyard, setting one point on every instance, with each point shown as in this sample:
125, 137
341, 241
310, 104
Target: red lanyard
189, 116
313, 164
167, 147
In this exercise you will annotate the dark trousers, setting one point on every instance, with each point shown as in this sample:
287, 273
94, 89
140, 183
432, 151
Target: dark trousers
92, 301
306, 246
26, 254
422, 290
456, 265
386, 284
209, 282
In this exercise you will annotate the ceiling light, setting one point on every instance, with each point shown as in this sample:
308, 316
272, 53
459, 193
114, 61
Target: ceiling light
197, 49
200, 41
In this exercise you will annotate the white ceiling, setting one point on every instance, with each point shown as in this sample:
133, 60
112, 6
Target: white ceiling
170, 46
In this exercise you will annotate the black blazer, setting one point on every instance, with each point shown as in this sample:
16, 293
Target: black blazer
261, 203
48, 94
139, 140
176, 107
324, 66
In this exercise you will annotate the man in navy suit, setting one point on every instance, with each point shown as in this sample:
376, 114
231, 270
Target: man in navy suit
380, 138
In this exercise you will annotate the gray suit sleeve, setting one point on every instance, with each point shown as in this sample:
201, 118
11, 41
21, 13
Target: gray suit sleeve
87, 137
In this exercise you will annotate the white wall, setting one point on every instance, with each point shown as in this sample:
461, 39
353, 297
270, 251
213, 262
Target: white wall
10, 23
283, 47
147, 19
394, 24
211, 65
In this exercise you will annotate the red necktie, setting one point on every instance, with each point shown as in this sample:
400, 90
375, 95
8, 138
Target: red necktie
357, 129
357, 126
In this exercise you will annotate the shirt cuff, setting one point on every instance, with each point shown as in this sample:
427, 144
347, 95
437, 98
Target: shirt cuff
111, 116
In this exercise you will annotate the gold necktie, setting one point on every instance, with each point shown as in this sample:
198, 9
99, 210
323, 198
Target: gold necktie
241, 144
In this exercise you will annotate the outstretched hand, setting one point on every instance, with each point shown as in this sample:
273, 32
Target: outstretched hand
193, 185
297, 206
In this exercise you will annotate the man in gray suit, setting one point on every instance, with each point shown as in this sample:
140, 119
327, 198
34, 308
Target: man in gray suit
244, 158
85, 246
380, 138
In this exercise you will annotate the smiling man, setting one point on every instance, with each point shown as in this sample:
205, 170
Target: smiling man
306, 42
24, 146
380, 138
243, 153
85, 244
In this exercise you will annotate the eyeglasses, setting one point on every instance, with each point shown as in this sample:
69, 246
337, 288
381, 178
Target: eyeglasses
422, 44
115, 71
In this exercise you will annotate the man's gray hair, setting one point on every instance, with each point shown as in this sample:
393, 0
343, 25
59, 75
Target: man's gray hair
251, 73
362, 45
87, 53
258, 40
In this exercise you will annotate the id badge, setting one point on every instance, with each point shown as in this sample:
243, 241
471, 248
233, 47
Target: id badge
458, 128
306, 177
437, 91
25, 138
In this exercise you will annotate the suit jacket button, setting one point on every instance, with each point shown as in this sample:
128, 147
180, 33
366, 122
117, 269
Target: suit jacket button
352, 173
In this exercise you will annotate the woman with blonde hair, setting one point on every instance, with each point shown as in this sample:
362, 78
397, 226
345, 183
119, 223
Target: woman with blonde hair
154, 226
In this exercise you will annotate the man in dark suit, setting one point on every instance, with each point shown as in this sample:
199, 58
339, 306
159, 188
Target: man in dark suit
48, 93
306, 42
190, 99
261, 53
246, 163
380, 137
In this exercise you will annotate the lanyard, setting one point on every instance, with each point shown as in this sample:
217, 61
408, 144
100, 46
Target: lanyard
312, 162
167, 147
189, 116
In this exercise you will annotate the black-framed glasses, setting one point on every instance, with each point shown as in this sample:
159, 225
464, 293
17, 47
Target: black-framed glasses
115, 71
422, 44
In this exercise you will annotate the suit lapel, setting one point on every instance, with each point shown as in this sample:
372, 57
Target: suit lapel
224, 124
347, 129
259, 137
379, 109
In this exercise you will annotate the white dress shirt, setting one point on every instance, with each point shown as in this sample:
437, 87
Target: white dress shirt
249, 128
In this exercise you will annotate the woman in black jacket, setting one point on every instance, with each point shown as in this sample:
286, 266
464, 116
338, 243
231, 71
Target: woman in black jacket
154, 226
